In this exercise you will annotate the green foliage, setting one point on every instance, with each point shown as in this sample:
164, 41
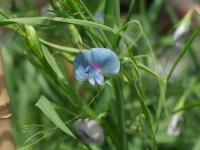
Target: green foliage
134, 108
49, 111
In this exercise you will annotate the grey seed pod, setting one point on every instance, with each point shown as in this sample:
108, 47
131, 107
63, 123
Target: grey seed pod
89, 131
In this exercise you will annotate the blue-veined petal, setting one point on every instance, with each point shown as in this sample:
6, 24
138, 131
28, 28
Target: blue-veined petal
81, 62
83, 59
91, 78
96, 77
107, 60
99, 78
80, 74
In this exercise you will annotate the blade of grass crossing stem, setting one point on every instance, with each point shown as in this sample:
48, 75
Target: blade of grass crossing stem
145, 68
109, 18
117, 10
144, 36
148, 117
133, 77
154, 10
44, 20
119, 100
78, 9
93, 19
161, 102
59, 47
130, 12
52, 63
186, 48
47, 108
70, 93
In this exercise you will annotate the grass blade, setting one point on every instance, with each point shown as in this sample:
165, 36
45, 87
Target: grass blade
46, 107
35, 21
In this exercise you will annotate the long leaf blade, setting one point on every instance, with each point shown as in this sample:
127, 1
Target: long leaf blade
46, 107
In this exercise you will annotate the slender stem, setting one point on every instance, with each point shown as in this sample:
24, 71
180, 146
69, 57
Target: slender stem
130, 12
119, 99
147, 113
137, 84
93, 19
117, 10
144, 36
186, 48
163, 88
6, 137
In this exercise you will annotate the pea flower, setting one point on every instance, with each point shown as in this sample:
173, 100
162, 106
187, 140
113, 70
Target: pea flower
183, 29
174, 126
95, 64
89, 131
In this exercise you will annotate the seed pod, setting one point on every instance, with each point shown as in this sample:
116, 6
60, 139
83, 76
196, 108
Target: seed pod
89, 131
32, 41
75, 36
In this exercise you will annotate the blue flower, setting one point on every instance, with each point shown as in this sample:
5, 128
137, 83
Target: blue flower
95, 64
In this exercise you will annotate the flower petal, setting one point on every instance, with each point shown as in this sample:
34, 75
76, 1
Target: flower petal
81, 62
80, 74
89, 131
99, 78
107, 60
92, 78
83, 59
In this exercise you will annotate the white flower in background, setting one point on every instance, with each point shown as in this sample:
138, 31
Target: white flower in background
89, 131
46, 10
179, 34
174, 128
183, 28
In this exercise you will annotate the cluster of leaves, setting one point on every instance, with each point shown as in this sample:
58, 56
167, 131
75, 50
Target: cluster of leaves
130, 106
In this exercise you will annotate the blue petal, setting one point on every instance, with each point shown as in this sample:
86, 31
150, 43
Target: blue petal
99, 77
83, 59
92, 78
107, 60
80, 74
81, 62
96, 78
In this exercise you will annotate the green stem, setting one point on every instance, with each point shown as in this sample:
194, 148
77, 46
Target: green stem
186, 48
117, 10
147, 113
163, 88
119, 99
93, 19
130, 13
137, 84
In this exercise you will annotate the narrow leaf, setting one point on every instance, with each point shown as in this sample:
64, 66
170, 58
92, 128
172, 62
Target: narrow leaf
52, 62
47, 108
34, 21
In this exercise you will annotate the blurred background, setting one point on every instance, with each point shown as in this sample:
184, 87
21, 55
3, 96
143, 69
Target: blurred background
160, 20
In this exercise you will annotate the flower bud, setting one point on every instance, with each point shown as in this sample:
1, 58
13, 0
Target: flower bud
89, 131
75, 36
